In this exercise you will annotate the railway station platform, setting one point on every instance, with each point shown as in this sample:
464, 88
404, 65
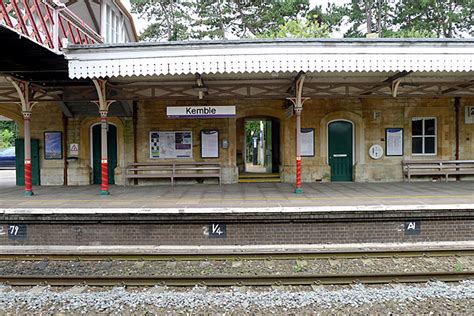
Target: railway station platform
327, 196
238, 214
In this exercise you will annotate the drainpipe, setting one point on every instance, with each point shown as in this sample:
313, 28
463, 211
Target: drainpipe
457, 105
65, 127
135, 145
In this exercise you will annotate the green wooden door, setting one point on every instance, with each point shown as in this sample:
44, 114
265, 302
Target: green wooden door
20, 162
111, 152
340, 150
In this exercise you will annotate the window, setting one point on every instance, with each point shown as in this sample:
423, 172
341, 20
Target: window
423, 136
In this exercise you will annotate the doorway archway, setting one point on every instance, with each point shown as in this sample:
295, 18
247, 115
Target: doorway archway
258, 153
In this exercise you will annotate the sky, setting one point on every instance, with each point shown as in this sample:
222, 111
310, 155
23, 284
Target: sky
140, 24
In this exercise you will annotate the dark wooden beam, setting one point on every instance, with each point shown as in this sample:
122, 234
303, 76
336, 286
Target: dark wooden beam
458, 87
292, 89
127, 109
387, 81
65, 109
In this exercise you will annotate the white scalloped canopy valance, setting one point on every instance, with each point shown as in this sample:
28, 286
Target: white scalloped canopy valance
182, 60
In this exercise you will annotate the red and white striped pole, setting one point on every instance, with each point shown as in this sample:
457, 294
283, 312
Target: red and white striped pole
27, 141
298, 188
104, 156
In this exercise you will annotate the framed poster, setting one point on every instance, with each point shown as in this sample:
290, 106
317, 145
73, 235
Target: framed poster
307, 142
394, 142
173, 144
209, 144
53, 145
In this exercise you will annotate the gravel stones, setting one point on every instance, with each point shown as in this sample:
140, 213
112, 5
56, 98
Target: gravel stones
269, 266
357, 299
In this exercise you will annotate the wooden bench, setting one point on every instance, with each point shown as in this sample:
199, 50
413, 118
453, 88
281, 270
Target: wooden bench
173, 170
444, 168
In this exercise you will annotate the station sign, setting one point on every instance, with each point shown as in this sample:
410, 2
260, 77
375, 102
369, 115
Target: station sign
16, 231
412, 227
205, 111
73, 150
217, 230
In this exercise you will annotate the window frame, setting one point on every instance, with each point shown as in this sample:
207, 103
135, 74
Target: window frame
423, 136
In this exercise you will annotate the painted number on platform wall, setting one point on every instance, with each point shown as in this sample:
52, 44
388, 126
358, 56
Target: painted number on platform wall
412, 228
216, 230
16, 231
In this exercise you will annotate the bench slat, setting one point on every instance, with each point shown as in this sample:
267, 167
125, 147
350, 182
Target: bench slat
172, 170
437, 167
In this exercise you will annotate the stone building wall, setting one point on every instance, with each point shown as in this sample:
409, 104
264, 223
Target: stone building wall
369, 129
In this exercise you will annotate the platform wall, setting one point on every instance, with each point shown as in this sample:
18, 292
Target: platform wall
242, 229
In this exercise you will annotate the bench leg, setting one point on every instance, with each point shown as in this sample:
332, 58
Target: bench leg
172, 181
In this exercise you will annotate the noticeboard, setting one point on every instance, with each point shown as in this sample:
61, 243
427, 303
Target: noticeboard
172, 144
209, 144
394, 142
307, 142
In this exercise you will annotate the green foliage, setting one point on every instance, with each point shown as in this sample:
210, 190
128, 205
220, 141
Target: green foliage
207, 19
169, 19
220, 19
8, 134
403, 18
411, 33
309, 28
252, 129
445, 18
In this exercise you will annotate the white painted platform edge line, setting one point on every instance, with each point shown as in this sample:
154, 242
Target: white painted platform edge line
447, 245
230, 210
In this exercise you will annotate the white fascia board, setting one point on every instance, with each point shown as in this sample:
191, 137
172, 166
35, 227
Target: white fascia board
279, 57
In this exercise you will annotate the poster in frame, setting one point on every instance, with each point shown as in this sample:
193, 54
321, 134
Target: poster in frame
53, 145
307, 142
171, 144
394, 141
210, 143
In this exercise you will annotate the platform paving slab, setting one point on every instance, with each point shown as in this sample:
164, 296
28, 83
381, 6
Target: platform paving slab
248, 195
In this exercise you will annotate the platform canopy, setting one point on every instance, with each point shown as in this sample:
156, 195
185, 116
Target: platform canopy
267, 68
260, 56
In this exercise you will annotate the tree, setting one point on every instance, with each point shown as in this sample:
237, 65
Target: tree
449, 18
169, 19
298, 28
365, 16
412, 33
402, 18
215, 19
8, 133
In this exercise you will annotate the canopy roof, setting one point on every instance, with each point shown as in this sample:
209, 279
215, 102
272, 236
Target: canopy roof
269, 56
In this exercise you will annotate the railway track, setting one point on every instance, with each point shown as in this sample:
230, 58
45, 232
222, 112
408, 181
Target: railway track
284, 255
239, 280
265, 278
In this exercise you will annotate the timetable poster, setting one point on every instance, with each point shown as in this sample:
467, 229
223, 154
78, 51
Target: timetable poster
210, 144
394, 142
307, 142
172, 144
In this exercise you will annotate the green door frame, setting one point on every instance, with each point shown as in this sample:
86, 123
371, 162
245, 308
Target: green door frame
112, 155
341, 151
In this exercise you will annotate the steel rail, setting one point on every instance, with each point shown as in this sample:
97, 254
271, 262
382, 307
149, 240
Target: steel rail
230, 280
198, 256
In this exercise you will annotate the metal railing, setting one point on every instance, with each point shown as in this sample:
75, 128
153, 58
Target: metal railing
47, 22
